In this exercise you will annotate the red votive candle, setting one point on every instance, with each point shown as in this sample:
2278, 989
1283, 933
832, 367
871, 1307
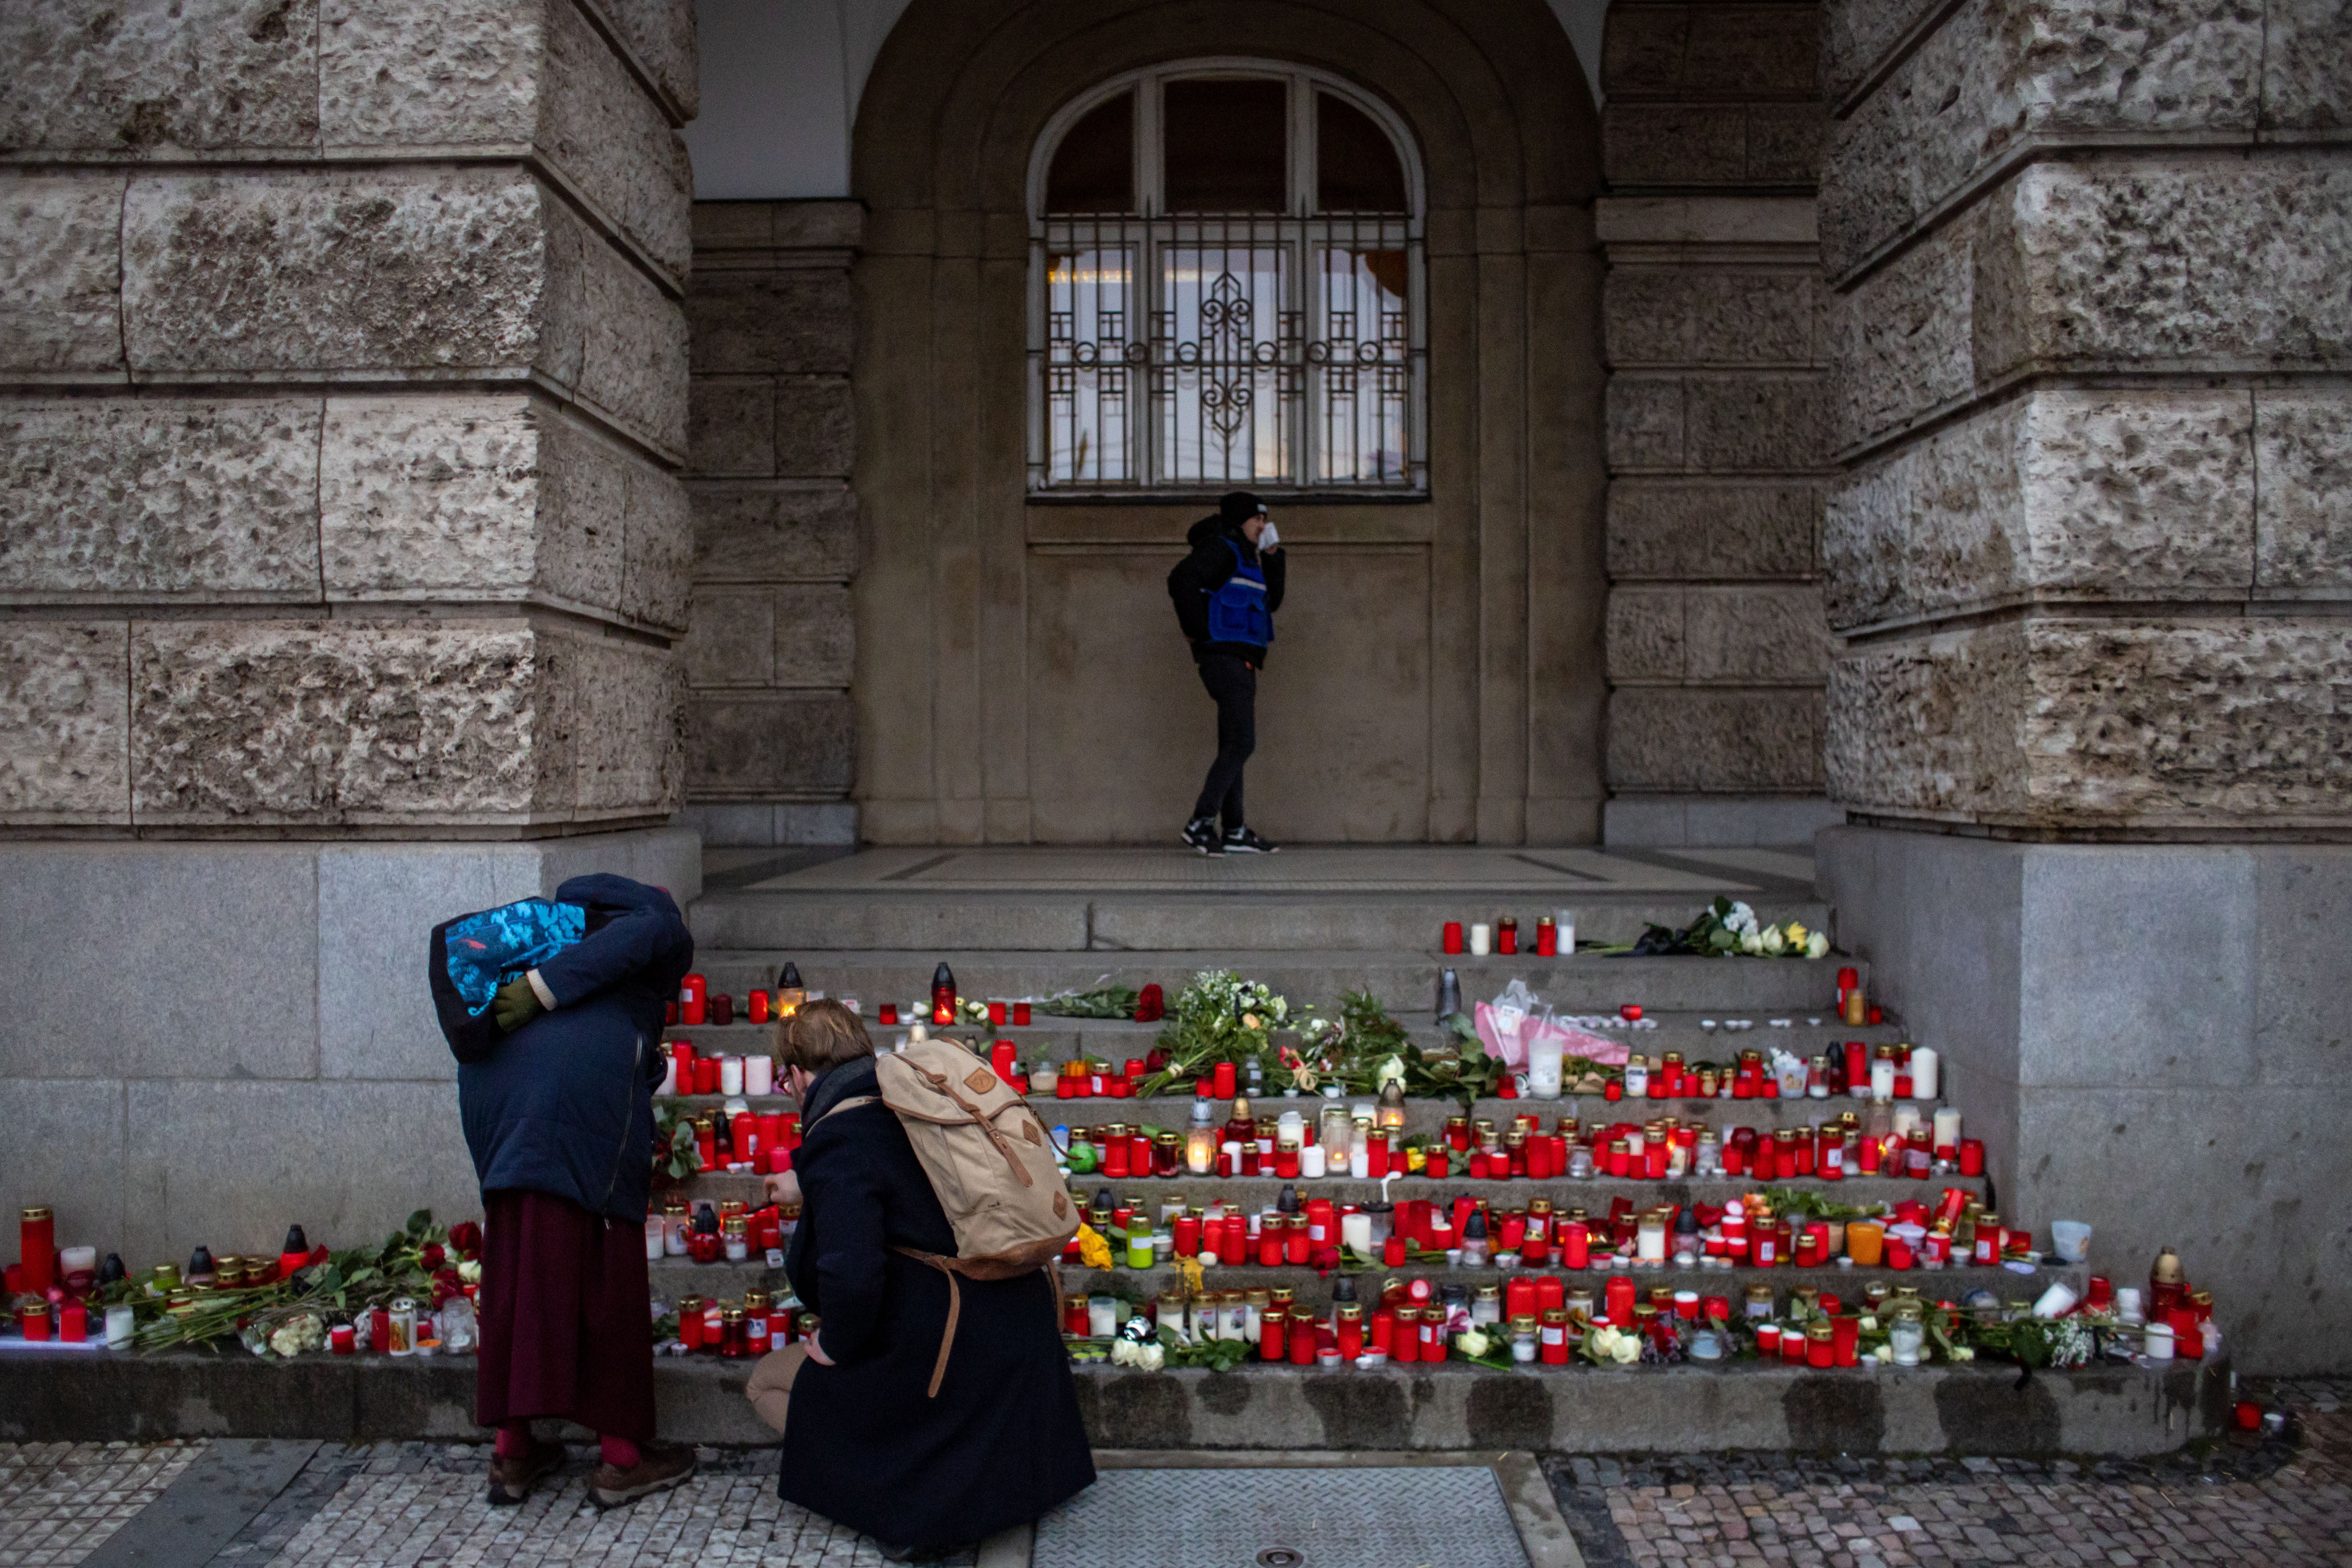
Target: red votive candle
1021, 1015
1452, 940
1972, 1156
1222, 1077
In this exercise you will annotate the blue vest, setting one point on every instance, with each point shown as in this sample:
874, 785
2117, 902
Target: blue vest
1237, 611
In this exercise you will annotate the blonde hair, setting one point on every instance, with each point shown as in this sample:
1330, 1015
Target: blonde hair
821, 1035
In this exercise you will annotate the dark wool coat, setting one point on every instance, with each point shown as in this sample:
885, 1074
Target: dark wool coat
564, 1105
1003, 1442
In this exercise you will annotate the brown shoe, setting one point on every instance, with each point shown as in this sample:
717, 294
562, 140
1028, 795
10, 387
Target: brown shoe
511, 1479
659, 1467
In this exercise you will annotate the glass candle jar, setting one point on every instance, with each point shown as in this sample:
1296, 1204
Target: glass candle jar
1523, 1340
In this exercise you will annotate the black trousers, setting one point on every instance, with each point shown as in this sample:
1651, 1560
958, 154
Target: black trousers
1235, 686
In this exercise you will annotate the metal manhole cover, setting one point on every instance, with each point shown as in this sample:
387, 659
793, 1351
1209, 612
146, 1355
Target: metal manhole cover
1432, 1516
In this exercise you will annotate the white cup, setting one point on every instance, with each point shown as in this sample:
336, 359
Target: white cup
2155, 1342
2056, 1300
2072, 1239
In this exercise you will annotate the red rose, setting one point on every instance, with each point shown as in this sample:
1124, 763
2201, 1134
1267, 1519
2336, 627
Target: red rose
446, 1284
432, 1257
467, 1237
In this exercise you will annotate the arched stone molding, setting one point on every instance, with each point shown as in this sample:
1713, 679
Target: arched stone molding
1018, 673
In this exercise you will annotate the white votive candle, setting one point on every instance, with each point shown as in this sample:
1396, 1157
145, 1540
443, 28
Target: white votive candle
1482, 938
1925, 1070
1356, 1234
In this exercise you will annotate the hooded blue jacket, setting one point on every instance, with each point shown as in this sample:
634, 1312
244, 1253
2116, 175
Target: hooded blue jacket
564, 1104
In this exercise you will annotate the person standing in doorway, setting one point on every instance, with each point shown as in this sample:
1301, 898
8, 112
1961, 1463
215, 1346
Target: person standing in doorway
1226, 593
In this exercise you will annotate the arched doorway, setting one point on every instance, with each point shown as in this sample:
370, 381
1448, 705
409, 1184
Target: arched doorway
1020, 677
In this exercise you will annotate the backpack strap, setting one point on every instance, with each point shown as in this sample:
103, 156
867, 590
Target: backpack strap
955, 1308
845, 1104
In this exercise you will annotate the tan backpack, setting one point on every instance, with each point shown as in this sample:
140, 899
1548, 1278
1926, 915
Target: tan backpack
990, 1162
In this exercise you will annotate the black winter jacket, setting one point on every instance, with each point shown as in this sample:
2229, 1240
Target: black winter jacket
865, 1441
564, 1104
1201, 573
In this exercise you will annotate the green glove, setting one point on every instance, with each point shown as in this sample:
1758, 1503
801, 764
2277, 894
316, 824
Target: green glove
515, 1004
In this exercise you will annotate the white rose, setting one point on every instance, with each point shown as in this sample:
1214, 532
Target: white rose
1626, 1350
1750, 944
1816, 945
1151, 1358
1391, 1071
1884, 1354
1772, 942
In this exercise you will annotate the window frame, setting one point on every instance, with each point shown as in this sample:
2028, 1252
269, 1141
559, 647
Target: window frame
1299, 230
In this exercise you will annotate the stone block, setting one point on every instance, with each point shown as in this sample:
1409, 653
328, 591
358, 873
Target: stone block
791, 321
116, 498
160, 76
359, 723
1644, 634
2307, 66
2235, 264
627, 705
816, 634
227, 1164
1712, 528
742, 745
1674, 144
757, 533
2301, 1017
65, 1143
660, 34
1756, 633
1669, 738
733, 641
1661, 316
1857, 34
2057, 494
161, 961
61, 270
64, 713
1642, 50
1998, 74
485, 74
2076, 724
385, 271
730, 429
634, 361
1900, 341
375, 1021
816, 427
1786, 144
2303, 449
1752, 51
1645, 422
495, 498
1757, 423
654, 588
396, 274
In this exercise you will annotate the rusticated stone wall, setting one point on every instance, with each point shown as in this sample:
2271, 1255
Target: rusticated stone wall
2088, 558
1718, 422
771, 433
343, 397
2092, 327
342, 388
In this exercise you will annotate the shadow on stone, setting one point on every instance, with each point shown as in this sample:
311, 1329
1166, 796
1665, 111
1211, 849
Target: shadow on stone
1360, 1412
1837, 1413
1992, 1416
1140, 1410
1222, 1394
1511, 1412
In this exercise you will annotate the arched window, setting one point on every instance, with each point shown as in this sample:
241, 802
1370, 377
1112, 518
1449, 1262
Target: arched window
1225, 287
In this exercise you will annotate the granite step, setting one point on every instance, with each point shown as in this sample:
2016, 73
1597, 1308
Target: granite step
1405, 980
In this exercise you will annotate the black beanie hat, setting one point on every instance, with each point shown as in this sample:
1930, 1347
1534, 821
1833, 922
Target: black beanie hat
1237, 507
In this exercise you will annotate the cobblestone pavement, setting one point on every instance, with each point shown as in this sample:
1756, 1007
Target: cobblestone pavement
418, 1505
2267, 1502
59, 1501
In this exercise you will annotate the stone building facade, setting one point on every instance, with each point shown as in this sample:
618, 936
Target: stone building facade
1927, 416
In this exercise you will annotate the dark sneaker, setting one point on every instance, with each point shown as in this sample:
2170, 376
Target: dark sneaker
1243, 841
1201, 833
512, 1479
659, 1467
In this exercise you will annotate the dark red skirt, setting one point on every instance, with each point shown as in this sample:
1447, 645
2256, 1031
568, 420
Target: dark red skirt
566, 1322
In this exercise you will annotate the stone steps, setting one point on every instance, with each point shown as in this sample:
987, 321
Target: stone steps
1984, 1409
1404, 980
1112, 923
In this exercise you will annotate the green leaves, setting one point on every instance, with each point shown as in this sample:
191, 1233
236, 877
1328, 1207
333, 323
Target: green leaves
419, 1223
1217, 1355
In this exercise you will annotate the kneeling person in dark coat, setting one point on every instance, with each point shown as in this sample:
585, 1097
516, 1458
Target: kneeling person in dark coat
866, 1442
